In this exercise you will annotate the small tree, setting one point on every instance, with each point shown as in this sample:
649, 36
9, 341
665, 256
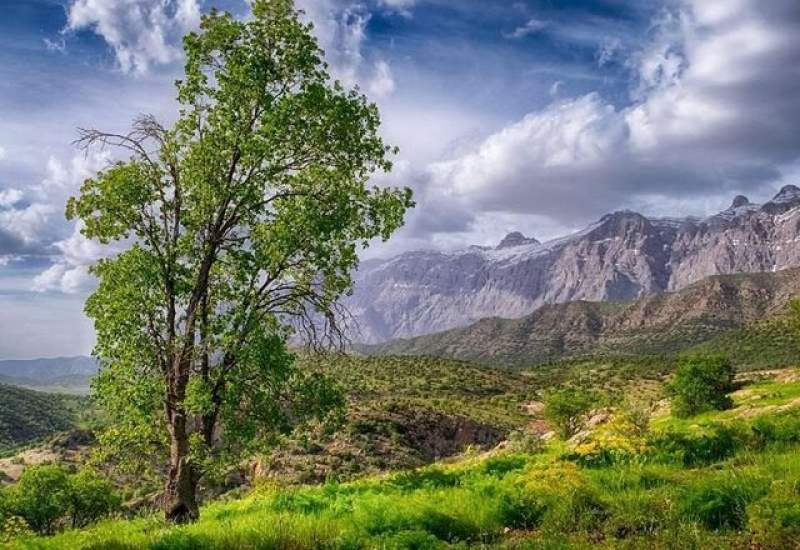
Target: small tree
243, 222
701, 384
91, 498
566, 408
42, 497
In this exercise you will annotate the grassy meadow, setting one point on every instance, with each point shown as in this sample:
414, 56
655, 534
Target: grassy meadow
726, 479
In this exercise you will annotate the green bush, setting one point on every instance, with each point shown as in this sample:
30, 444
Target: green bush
91, 498
521, 510
565, 409
717, 442
701, 384
42, 497
781, 428
48, 498
412, 540
499, 466
720, 504
775, 523
449, 527
430, 478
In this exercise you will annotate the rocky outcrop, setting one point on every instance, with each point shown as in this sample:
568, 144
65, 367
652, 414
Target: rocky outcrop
621, 257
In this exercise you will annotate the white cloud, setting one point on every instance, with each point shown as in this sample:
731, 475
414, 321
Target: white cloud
26, 223
714, 111
10, 197
32, 220
532, 26
403, 7
70, 274
142, 33
2, 153
381, 83
340, 29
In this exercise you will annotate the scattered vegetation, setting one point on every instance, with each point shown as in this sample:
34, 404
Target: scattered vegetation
721, 479
566, 408
701, 383
28, 416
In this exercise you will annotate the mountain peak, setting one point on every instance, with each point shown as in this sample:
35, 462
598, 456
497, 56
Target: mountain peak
740, 201
515, 239
787, 193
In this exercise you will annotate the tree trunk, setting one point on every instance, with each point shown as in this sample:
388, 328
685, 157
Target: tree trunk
180, 494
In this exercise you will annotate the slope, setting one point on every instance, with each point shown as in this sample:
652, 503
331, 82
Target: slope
28, 416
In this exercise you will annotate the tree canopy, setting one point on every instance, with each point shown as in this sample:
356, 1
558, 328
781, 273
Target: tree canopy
242, 224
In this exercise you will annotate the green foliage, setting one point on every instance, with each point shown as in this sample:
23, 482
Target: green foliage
47, 497
713, 444
246, 217
775, 522
701, 384
91, 498
720, 503
566, 408
42, 497
28, 416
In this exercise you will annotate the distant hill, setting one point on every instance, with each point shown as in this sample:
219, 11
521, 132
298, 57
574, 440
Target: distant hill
724, 313
62, 374
28, 416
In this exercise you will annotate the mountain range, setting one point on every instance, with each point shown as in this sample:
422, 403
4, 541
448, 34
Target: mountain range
623, 256
60, 374
742, 315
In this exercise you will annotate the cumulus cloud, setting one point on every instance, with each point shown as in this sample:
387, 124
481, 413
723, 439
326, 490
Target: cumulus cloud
341, 29
142, 33
714, 109
2, 153
32, 220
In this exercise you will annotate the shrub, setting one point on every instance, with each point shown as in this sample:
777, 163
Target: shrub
617, 441
775, 523
12, 527
411, 540
42, 497
426, 478
91, 498
780, 428
720, 503
499, 466
46, 497
521, 510
565, 408
717, 442
449, 527
520, 441
701, 384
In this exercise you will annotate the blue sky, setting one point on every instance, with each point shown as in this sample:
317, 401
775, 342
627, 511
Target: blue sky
537, 116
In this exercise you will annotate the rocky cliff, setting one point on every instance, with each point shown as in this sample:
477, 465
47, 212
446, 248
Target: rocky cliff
621, 257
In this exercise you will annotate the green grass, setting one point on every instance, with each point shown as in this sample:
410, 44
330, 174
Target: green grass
747, 495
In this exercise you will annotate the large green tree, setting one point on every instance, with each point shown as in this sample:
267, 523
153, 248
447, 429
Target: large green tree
242, 222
